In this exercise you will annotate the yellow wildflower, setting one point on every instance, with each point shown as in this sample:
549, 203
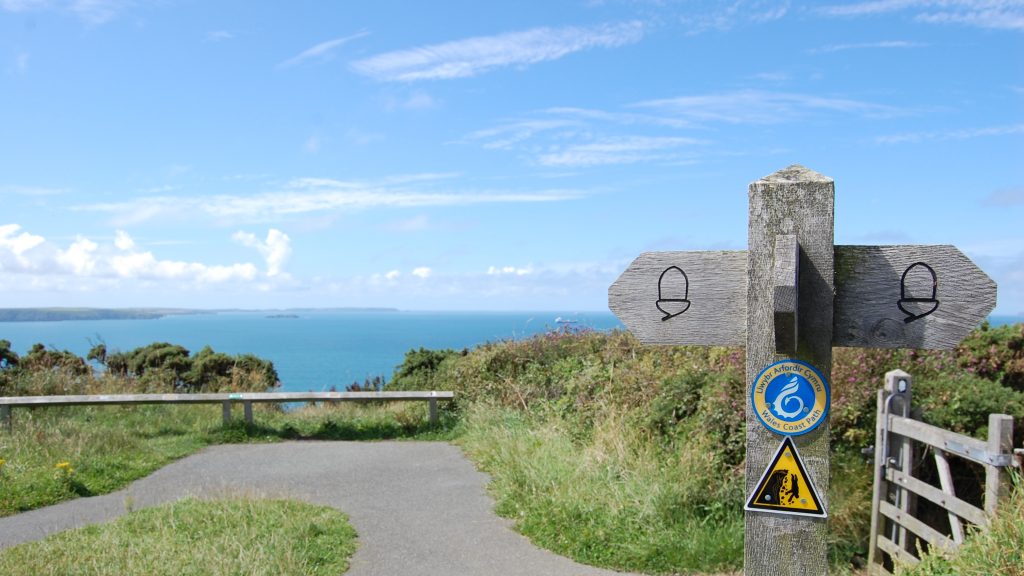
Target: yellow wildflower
65, 467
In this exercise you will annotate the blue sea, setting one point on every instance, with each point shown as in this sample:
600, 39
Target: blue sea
316, 350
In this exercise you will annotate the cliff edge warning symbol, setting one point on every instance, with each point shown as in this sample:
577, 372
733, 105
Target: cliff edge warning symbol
785, 487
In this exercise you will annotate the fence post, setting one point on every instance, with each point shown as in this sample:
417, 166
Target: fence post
1000, 442
247, 407
225, 409
880, 485
900, 384
6, 418
432, 403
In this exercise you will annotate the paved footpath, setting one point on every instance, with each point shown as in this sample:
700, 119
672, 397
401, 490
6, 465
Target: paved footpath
419, 507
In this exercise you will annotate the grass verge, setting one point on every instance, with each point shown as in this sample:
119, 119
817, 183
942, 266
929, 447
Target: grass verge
55, 454
211, 537
611, 498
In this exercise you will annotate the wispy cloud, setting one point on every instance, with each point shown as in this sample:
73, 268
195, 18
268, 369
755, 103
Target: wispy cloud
1007, 197
997, 14
724, 15
763, 107
884, 44
474, 56
90, 11
219, 36
509, 134
619, 150
310, 195
963, 134
32, 190
322, 50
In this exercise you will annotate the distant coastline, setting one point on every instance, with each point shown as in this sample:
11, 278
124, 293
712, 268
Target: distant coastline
58, 314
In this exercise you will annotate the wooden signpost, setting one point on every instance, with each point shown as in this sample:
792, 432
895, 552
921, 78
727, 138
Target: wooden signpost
789, 299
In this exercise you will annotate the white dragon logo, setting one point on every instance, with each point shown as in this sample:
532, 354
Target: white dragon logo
784, 399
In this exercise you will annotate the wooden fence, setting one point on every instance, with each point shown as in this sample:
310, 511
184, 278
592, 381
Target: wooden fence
226, 400
897, 532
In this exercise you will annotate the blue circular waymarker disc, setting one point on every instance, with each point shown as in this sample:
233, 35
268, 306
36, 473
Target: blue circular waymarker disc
790, 397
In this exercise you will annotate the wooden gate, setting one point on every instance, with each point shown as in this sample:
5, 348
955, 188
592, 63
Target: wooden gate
897, 532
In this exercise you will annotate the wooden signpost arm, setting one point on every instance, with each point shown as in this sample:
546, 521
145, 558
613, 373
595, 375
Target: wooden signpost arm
799, 202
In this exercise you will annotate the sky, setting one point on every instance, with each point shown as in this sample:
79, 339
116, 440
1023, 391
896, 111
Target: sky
465, 155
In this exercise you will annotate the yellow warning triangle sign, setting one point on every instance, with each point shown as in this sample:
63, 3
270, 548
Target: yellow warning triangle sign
786, 487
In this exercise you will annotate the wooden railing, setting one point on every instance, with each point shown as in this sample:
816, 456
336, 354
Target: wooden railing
897, 534
225, 399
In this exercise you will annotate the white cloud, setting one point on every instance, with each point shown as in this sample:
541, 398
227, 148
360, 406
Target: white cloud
763, 107
123, 241
79, 257
422, 272
276, 249
509, 271
14, 247
306, 195
884, 44
45, 264
322, 50
964, 134
996, 14
474, 56
144, 265
219, 36
618, 150
393, 275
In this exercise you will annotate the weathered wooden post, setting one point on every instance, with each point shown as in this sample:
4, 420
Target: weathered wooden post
789, 299
795, 202
1000, 441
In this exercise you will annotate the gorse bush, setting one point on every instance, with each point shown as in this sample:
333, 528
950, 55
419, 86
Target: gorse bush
156, 368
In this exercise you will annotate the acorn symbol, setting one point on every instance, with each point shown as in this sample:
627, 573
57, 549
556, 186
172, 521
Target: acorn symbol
916, 307
673, 285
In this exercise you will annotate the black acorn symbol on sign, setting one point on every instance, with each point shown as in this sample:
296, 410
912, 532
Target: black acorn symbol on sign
918, 307
673, 285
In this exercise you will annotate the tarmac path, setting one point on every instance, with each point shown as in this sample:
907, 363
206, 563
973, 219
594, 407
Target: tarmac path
420, 508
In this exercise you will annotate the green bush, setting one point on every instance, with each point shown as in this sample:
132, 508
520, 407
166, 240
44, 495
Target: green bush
995, 354
963, 402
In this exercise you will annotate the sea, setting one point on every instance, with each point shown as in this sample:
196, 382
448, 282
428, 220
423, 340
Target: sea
315, 350
311, 350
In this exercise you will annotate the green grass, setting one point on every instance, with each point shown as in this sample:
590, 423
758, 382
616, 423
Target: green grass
209, 537
998, 551
107, 447
610, 499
